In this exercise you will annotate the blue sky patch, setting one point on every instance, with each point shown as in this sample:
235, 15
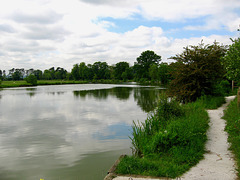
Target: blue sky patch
171, 29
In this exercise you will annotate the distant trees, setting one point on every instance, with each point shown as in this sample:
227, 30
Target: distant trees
231, 61
197, 71
32, 79
144, 61
145, 69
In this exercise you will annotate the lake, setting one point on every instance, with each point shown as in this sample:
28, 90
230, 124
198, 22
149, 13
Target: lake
68, 132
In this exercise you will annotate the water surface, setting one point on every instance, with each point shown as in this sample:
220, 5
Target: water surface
68, 131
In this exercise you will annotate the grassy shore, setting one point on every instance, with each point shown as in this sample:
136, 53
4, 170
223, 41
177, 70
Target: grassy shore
232, 117
9, 84
171, 140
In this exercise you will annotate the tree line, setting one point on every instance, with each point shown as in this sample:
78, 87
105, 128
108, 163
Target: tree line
147, 67
203, 69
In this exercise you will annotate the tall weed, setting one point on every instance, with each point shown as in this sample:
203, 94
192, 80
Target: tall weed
169, 142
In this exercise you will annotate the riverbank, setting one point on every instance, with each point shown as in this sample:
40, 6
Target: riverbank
214, 155
10, 84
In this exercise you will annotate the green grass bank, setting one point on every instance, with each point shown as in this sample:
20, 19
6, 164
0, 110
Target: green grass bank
171, 140
23, 83
232, 117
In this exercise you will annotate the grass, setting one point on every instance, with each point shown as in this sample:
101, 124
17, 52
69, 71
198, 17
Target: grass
212, 102
232, 117
23, 83
7, 84
169, 142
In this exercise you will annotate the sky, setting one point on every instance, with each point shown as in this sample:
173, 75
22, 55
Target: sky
41, 34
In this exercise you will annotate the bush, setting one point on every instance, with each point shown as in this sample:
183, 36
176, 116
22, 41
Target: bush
222, 88
32, 80
196, 71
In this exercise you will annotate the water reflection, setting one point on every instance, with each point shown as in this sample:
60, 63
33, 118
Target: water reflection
147, 98
63, 132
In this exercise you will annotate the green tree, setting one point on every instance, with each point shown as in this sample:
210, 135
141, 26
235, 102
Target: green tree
101, 70
144, 61
75, 72
1, 75
60, 73
197, 71
231, 61
153, 72
83, 71
38, 73
47, 74
52, 72
119, 69
17, 75
31, 79
164, 73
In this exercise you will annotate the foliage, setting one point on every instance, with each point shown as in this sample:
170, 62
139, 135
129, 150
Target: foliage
144, 61
232, 117
212, 102
119, 69
197, 71
153, 72
1, 75
231, 61
164, 73
75, 72
169, 142
32, 79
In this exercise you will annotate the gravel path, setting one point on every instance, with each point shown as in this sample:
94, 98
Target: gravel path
218, 163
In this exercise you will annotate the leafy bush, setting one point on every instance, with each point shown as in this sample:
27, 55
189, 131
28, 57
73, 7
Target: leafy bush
32, 80
197, 71
222, 88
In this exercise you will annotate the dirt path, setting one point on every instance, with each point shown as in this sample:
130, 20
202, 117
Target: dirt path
218, 162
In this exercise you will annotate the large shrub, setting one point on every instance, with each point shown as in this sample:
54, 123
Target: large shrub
197, 71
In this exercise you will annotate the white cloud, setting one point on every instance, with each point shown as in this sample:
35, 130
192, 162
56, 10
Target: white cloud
45, 33
48, 17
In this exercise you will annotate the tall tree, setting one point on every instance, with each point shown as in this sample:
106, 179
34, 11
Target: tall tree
75, 72
38, 73
1, 75
197, 71
144, 61
120, 68
83, 71
231, 61
101, 70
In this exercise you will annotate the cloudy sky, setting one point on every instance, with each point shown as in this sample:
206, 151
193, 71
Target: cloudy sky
40, 34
